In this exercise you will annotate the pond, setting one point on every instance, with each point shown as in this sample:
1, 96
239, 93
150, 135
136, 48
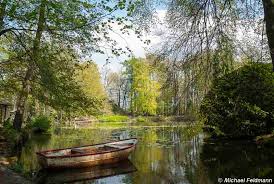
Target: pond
166, 153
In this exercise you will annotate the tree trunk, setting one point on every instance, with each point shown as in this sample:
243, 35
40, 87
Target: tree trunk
20, 105
269, 21
26, 84
3, 5
119, 97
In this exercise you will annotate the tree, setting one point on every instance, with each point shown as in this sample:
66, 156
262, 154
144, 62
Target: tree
55, 83
117, 91
240, 103
144, 89
268, 17
34, 26
88, 78
197, 26
202, 45
184, 84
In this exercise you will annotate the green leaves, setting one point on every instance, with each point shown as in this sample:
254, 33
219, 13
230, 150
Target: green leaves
240, 104
46, 37
41, 124
144, 89
88, 78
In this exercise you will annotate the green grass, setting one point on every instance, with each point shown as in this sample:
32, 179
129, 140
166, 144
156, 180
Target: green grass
113, 118
141, 119
111, 125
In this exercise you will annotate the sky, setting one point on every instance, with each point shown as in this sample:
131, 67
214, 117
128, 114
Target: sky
139, 49
156, 35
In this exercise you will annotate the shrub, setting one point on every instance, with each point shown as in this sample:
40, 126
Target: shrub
17, 167
41, 124
10, 133
113, 118
240, 104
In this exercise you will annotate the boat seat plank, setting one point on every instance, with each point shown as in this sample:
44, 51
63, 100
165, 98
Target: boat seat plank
92, 150
77, 150
115, 146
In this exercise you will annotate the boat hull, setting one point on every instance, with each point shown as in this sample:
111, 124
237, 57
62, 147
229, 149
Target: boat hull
85, 160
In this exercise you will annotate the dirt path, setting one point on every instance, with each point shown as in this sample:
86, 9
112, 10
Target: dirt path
8, 176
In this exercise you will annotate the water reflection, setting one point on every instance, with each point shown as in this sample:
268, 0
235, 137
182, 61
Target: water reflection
164, 154
163, 157
84, 175
237, 159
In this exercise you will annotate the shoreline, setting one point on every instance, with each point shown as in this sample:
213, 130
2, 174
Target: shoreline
7, 176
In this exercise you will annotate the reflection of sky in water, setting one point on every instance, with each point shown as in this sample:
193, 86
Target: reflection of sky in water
164, 154
113, 180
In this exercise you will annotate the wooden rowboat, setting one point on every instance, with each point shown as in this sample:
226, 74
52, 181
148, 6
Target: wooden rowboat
86, 156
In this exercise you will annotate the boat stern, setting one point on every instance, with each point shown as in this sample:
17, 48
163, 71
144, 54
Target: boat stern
42, 160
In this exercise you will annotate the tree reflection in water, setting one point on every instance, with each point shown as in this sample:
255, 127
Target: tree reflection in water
237, 159
169, 154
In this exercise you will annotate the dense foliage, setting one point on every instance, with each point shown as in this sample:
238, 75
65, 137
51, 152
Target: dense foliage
240, 104
9, 133
198, 26
41, 124
43, 41
144, 88
89, 79
149, 86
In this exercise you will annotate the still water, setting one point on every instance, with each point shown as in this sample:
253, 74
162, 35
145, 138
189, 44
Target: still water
165, 154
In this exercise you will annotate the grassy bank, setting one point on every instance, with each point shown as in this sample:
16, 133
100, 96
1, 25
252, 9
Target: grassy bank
142, 119
113, 118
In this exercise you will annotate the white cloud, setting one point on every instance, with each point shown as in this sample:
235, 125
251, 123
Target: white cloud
139, 49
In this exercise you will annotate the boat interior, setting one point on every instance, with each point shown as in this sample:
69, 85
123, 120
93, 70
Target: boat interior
93, 149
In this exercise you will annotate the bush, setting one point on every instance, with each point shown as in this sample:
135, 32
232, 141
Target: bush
17, 167
113, 118
41, 124
10, 133
240, 104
